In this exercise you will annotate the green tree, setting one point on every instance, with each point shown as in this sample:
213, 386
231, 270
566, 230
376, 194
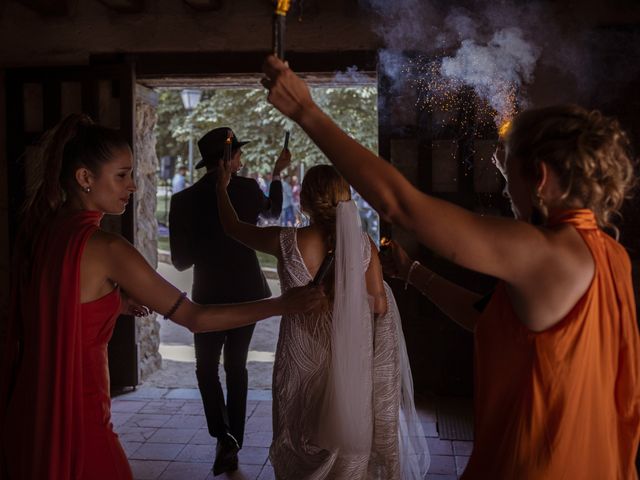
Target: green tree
252, 118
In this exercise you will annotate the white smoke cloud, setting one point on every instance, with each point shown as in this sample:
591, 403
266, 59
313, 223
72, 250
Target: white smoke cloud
352, 76
496, 70
493, 48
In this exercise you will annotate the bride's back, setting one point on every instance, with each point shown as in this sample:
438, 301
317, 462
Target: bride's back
304, 249
323, 188
313, 246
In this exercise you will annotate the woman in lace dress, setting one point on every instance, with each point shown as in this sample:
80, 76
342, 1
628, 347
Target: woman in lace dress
310, 441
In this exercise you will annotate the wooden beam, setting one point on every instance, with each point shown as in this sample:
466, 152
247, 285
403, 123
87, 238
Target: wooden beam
124, 6
48, 7
205, 5
202, 64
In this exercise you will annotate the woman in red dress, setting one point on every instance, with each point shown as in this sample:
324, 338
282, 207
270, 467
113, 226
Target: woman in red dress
69, 284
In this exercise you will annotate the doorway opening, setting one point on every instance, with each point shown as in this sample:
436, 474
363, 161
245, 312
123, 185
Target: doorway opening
240, 103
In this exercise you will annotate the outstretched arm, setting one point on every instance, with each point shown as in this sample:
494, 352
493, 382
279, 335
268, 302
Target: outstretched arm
124, 265
500, 247
454, 301
265, 239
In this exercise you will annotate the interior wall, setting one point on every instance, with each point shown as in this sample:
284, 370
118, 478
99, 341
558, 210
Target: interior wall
4, 211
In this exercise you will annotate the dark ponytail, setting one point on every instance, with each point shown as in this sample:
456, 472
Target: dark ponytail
75, 142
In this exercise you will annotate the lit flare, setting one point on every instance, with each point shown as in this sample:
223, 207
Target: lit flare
504, 129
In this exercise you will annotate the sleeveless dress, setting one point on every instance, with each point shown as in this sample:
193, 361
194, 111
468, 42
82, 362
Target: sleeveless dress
104, 456
302, 361
55, 414
563, 403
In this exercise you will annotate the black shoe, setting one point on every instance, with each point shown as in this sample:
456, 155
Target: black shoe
226, 455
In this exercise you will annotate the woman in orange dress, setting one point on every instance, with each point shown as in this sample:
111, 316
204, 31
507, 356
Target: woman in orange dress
557, 347
69, 282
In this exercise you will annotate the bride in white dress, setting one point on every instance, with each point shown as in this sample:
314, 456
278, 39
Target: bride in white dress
342, 390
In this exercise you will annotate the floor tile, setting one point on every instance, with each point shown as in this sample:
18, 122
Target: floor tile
192, 408
461, 463
443, 464
253, 455
186, 421
430, 429
147, 469
162, 407
267, 473
202, 437
173, 435
130, 447
184, 393
147, 420
146, 393
186, 471
197, 453
120, 418
118, 405
135, 434
258, 439
462, 448
158, 451
439, 447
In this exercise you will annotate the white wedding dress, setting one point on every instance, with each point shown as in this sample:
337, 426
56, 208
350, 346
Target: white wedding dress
322, 430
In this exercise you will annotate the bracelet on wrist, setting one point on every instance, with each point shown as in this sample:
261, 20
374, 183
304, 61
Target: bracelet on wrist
413, 266
429, 279
275, 177
173, 309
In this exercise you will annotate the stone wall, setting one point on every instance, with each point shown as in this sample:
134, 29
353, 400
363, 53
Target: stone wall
148, 328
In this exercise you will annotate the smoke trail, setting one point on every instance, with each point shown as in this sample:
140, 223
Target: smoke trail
496, 71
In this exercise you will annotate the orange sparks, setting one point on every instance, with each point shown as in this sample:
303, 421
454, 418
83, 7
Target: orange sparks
282, 7
504, 129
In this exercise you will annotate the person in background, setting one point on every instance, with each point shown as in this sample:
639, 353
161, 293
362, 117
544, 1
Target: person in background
225, 271
179, 181
557, 350
295, 198
262, 184
288, 218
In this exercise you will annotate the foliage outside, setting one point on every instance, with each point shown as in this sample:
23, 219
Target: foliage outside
252, 118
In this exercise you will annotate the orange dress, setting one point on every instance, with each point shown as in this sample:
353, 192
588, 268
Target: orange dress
54, 382
563, 403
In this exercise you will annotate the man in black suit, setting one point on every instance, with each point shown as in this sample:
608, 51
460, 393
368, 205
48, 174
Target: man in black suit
225, 271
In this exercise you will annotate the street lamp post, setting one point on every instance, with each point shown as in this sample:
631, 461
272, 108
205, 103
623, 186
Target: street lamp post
190, 99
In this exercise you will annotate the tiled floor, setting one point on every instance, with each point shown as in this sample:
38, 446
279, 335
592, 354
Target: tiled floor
164, 434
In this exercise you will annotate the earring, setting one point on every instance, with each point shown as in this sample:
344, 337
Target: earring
86, 189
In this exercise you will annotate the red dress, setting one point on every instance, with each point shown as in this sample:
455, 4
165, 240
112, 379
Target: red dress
55, 391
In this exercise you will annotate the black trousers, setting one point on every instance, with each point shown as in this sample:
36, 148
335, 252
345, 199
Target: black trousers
224, 417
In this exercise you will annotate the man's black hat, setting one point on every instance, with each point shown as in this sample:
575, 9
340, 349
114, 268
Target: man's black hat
211, 146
